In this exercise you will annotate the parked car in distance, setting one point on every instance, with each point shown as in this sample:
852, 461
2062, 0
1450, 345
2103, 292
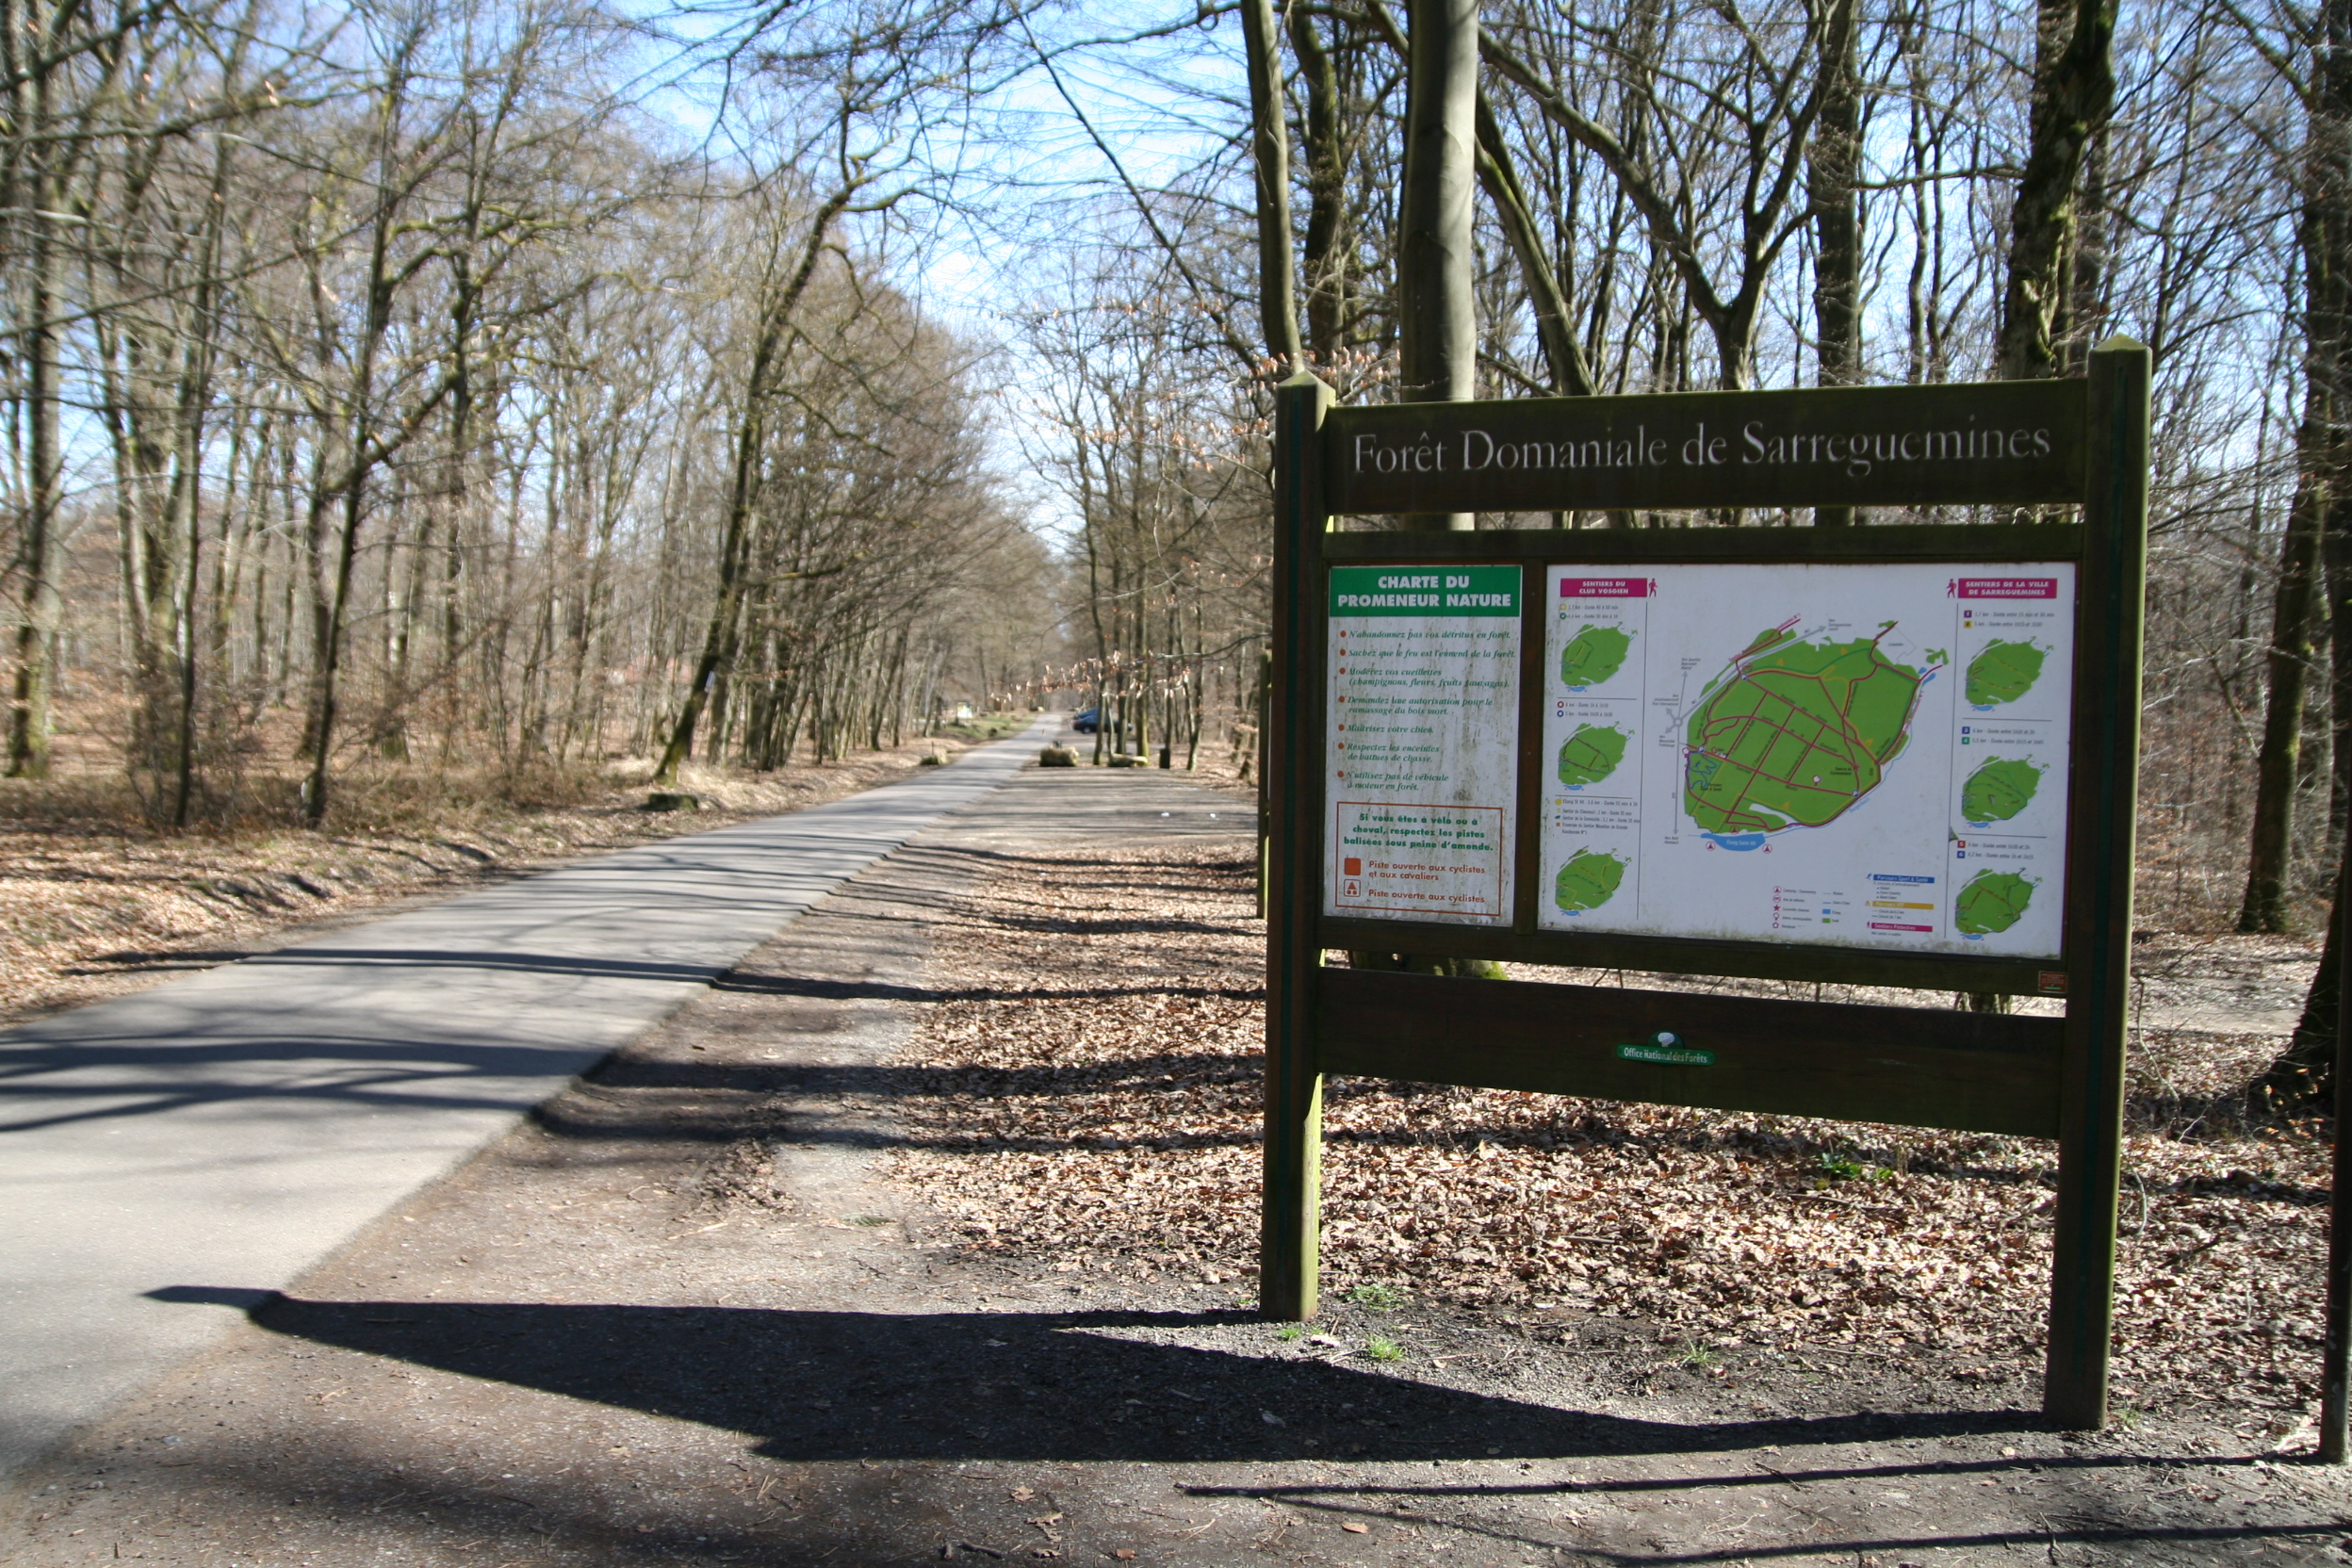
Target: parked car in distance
1086, 720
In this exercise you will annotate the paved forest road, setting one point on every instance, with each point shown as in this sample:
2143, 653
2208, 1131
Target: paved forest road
243, 1122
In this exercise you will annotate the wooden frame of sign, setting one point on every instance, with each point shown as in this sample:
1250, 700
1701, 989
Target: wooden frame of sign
2021, 445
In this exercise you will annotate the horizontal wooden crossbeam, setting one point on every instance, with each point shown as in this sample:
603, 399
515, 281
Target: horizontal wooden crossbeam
1752, 960
1913, 1067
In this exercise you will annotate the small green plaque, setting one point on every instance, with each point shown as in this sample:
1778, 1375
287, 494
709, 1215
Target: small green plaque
1667, 1047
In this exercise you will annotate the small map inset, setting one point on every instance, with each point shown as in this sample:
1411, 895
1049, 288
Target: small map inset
1590, 754
2003, 672
1792, 734
1991, 902
1593, 655
1998, 791
1589, 879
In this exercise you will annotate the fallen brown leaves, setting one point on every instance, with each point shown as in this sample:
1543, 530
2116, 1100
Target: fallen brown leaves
1092, 1101
86, 895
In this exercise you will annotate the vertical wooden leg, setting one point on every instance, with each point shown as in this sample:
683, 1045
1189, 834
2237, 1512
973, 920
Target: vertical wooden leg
2083, 1264
2334, 1418
2112, 590
1290, 1252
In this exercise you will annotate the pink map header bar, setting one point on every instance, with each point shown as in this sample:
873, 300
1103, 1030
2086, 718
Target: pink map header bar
2003, 588
1607, 587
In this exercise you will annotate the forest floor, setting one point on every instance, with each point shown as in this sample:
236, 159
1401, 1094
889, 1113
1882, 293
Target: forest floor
94, 903
926, 1234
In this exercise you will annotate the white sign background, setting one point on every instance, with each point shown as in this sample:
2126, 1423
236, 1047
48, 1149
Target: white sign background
1421, 765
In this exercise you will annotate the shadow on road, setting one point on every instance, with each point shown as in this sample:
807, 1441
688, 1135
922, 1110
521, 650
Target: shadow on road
1079, 1386
864, 1391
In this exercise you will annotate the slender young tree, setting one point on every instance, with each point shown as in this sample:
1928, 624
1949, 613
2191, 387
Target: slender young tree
2311, 544
783, 283
1324, 155
41, 42
1270, 146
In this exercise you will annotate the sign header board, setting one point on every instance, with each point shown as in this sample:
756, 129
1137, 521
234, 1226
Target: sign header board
2006, 443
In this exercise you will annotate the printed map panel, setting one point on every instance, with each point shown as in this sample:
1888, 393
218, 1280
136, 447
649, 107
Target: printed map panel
1862, 755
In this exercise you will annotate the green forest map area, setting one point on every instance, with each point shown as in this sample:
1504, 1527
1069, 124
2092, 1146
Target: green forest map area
1792, 734
1589, 879
1590, 754
2003, 672
1998, 790
1992, 902
1594, 654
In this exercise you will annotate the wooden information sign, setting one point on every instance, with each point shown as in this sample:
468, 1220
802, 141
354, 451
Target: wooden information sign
1901, 754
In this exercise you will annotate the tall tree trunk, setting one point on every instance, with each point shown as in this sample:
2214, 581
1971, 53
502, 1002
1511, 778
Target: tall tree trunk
2323, 229
1832, 157
2074, 91
29, 48
1089, 533
2288, 668
2336, 615
2090, 269
366, 445
329, 653
37, 625
196, 374
1563, 354
2323, 475
1438, 327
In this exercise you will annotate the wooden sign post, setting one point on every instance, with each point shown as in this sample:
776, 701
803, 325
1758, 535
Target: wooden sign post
1898, 755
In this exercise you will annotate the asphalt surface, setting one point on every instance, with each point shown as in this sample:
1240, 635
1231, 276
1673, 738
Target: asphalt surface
243, 1122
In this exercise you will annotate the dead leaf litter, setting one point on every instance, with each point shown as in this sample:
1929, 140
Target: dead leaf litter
1089, 1100
92, 906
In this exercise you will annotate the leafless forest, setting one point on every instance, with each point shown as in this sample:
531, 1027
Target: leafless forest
392, 386
432, 384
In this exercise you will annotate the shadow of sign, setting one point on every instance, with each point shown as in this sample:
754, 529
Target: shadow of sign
1084, 1386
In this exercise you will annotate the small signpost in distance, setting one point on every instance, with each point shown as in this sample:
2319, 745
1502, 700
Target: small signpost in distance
1902, 755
